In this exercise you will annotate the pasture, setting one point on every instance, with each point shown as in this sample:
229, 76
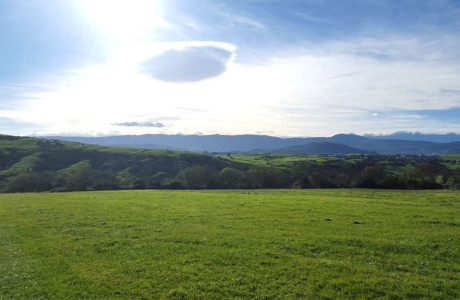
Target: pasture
252, 244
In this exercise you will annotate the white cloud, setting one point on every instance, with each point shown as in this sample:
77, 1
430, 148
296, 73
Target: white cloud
338, 74
303, 91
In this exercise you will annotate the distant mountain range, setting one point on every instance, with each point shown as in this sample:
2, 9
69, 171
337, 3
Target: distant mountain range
397, 143
417, 136
324, 148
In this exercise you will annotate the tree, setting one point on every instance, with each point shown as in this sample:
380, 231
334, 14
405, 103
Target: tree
196, 177
78, 177
231, 178
372, 176
49, 145
452, 183
266, 178
300, 173
125, 179
32, 182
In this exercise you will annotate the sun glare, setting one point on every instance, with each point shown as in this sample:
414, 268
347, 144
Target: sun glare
124, 19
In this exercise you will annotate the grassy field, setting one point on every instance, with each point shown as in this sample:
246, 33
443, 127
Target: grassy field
277, 160
320, 244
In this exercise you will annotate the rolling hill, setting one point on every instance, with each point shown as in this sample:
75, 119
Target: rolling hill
77, 166
34, 165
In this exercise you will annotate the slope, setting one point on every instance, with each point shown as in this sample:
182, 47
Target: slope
100, 167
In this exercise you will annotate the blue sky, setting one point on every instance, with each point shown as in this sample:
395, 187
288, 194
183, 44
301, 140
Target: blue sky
284, 68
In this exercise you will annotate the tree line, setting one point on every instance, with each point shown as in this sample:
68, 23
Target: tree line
309, 174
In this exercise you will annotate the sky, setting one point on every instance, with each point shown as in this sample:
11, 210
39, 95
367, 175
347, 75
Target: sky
274, 67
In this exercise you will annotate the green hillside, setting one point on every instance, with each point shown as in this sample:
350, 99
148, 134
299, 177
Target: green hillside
34, 165
76, 166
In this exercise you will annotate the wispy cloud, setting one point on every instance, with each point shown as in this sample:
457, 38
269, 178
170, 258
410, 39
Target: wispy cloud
313, 18
241, 20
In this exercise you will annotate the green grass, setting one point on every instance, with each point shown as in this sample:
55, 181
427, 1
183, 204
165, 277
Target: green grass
320, 244
276, 160
452, 156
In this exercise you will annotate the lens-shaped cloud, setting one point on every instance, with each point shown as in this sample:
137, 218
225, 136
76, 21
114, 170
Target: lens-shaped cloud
188, 64
141, 124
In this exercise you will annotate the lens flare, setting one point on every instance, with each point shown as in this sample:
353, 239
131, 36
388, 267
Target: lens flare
121, 19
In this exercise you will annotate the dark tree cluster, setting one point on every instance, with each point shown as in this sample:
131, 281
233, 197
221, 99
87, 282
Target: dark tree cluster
339, 174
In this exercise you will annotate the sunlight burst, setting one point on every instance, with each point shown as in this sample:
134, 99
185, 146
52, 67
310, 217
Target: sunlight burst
124, 19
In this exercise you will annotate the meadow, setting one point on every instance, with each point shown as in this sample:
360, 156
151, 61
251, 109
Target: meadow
252, 244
